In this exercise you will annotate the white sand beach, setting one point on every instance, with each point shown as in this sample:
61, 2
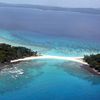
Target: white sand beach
75, 59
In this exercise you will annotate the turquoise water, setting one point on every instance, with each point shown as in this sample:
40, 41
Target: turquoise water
49, 79
50, 45
61, 34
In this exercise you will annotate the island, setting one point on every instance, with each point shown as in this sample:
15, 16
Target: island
93, 61
13, 54
8, 53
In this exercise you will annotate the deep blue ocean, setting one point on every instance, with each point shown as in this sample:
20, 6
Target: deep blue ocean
60, 33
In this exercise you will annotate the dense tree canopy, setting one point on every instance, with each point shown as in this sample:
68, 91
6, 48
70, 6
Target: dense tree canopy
8, 52
93, 61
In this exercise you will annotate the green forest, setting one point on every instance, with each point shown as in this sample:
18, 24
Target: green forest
93, 61
8, 52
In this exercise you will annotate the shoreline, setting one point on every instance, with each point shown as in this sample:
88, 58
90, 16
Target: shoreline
91, 70
74, 59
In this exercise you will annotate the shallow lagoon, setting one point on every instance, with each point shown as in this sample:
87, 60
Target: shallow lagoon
49, 79
53, 33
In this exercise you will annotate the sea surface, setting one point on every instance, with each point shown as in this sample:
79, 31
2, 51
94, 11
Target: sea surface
60, 33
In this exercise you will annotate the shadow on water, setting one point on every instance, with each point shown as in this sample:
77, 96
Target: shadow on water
76, 70
19, 76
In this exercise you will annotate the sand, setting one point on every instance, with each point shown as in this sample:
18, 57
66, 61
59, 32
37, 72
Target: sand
75, 59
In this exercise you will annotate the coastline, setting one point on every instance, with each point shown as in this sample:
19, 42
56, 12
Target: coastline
91, 70
96, 71
74, 59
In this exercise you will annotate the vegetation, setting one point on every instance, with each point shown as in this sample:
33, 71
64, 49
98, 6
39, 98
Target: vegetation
8, 53
93, 61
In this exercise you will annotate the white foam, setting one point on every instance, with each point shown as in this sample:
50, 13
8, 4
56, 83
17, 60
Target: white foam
14, 71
